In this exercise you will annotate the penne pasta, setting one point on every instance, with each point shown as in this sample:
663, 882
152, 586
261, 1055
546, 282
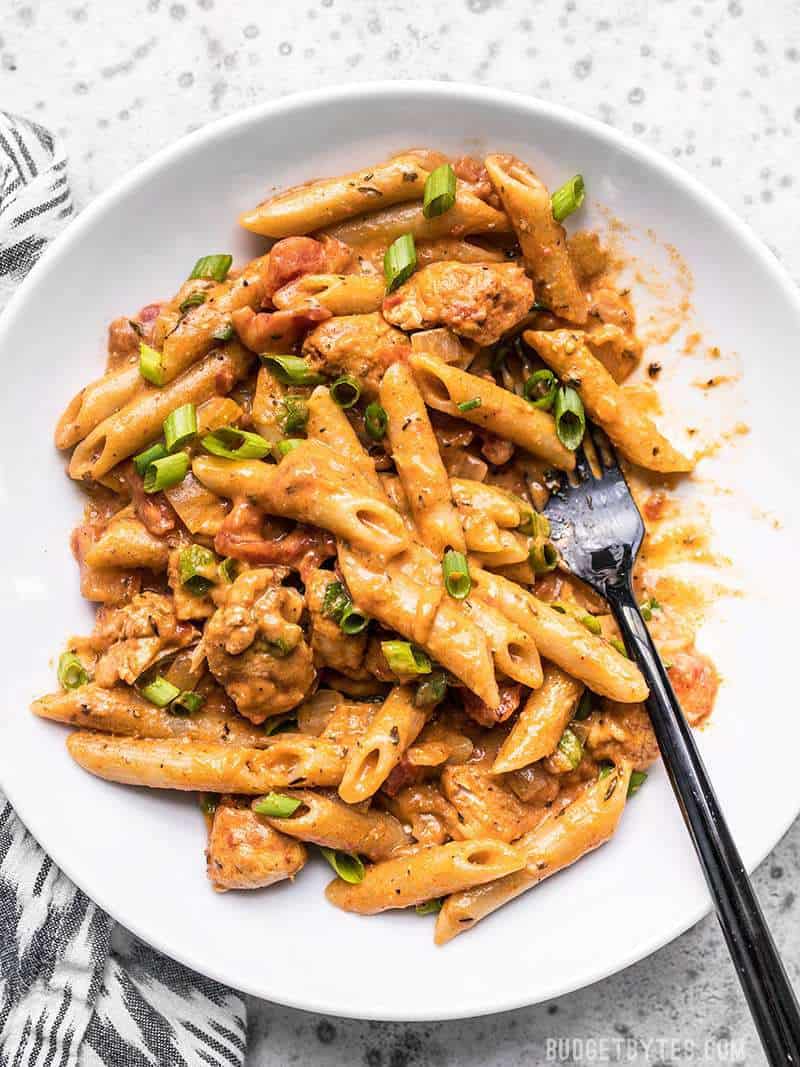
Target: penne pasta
323, 820
329, 424
208, 766
312, 484
244, 852
509, 548
504, 413
633, 432
542, 239
540, 723
140, 422
488, 500
317, 204
513, 650
426, 874
341, 294
468, 216
96, 402
415, 452
126, 542
563, 640
375, 755
559, 840
455, 250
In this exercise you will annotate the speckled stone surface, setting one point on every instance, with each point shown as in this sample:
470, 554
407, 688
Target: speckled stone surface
714, 84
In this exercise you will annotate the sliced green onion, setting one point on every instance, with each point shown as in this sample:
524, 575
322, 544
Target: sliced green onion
404, 658
287, 445
180, 426
540, 389
570, 417
291, 370
208, 803
400, 261
585, 706
571, 748
637, 780
647, 607
160, 692
228, 569
591, 623
353, 621
348, 866
71, 672
440, 191
430, 907
335, 601
276, 805
279, 648
543, 558
193, 300
187, 703
534, 524
224, 332
346, 391
197, 568
150, 366
616, 643
469, 405
605, 770
457, 581
278, 722
432, 691
166, 472
294, 415
216, 267
568, 198
150, 455
375, 421
232, 443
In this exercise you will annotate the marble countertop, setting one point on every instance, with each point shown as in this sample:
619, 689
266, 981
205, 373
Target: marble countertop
714, 84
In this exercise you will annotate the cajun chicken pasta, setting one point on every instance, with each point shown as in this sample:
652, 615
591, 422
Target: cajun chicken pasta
327, 598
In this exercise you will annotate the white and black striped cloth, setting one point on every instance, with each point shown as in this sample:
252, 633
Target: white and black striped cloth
76, 990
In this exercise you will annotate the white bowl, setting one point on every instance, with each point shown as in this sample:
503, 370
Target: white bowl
138, 853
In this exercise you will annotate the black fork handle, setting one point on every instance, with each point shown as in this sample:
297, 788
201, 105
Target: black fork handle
758, 964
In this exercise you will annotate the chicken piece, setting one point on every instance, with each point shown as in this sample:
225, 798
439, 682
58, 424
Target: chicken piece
133, 637
360, 345
510, 696
293, 257
244, 852
476, 300
427, 815
621, 732
695, 681
330, 645
256, 649
486, 806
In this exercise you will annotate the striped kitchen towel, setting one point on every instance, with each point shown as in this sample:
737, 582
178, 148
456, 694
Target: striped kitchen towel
75, 989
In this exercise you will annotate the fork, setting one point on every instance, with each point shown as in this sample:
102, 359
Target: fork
598, 531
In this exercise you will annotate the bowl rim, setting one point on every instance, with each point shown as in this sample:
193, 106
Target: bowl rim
348, 93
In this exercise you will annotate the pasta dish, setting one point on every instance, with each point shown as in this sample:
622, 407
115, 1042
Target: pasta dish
327, 598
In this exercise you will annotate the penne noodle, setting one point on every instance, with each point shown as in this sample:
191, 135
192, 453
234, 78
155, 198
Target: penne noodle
139, 423
317, 204
542, 239
633, 432
415, 452
513, 650
209, 766
559, 840
326, 821
268, 406
469, 215
426, 874
454, 250
193, 337
244, 852
423, 614
126, 542
313, 485
540, 723
329, 424
563, 640
374, 756
97, 402
122, 711
503, 413
511, 547
341, 294
485, 499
